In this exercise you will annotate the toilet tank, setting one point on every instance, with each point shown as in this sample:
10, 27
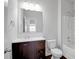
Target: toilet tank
51, 43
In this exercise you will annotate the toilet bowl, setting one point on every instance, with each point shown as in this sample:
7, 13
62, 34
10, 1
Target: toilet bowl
56, 53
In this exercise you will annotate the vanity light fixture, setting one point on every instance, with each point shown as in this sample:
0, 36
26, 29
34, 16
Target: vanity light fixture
31, 6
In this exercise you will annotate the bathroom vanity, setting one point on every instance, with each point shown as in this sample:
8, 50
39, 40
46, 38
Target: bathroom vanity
28, 50
30, 26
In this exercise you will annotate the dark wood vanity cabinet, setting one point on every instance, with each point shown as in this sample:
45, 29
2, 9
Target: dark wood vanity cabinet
29, 50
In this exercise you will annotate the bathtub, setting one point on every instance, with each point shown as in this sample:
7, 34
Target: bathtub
68, 52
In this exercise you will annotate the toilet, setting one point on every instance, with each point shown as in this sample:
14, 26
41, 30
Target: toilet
56, 52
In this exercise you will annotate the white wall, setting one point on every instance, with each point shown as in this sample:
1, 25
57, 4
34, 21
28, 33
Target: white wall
10, 31
5, 25
10, 13
50, 15
6, 40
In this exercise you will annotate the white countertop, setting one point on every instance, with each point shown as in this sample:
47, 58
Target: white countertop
28, 39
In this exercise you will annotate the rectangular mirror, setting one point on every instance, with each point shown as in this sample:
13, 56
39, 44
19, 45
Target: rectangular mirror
30, 21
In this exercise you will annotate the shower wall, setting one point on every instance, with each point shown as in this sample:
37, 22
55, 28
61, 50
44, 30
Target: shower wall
68, 31
68, 28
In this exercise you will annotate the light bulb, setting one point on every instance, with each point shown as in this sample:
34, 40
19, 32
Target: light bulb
37, 7
30, 6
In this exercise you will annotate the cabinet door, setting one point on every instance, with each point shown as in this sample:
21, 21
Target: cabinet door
29, 50
21, 50
41, 49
